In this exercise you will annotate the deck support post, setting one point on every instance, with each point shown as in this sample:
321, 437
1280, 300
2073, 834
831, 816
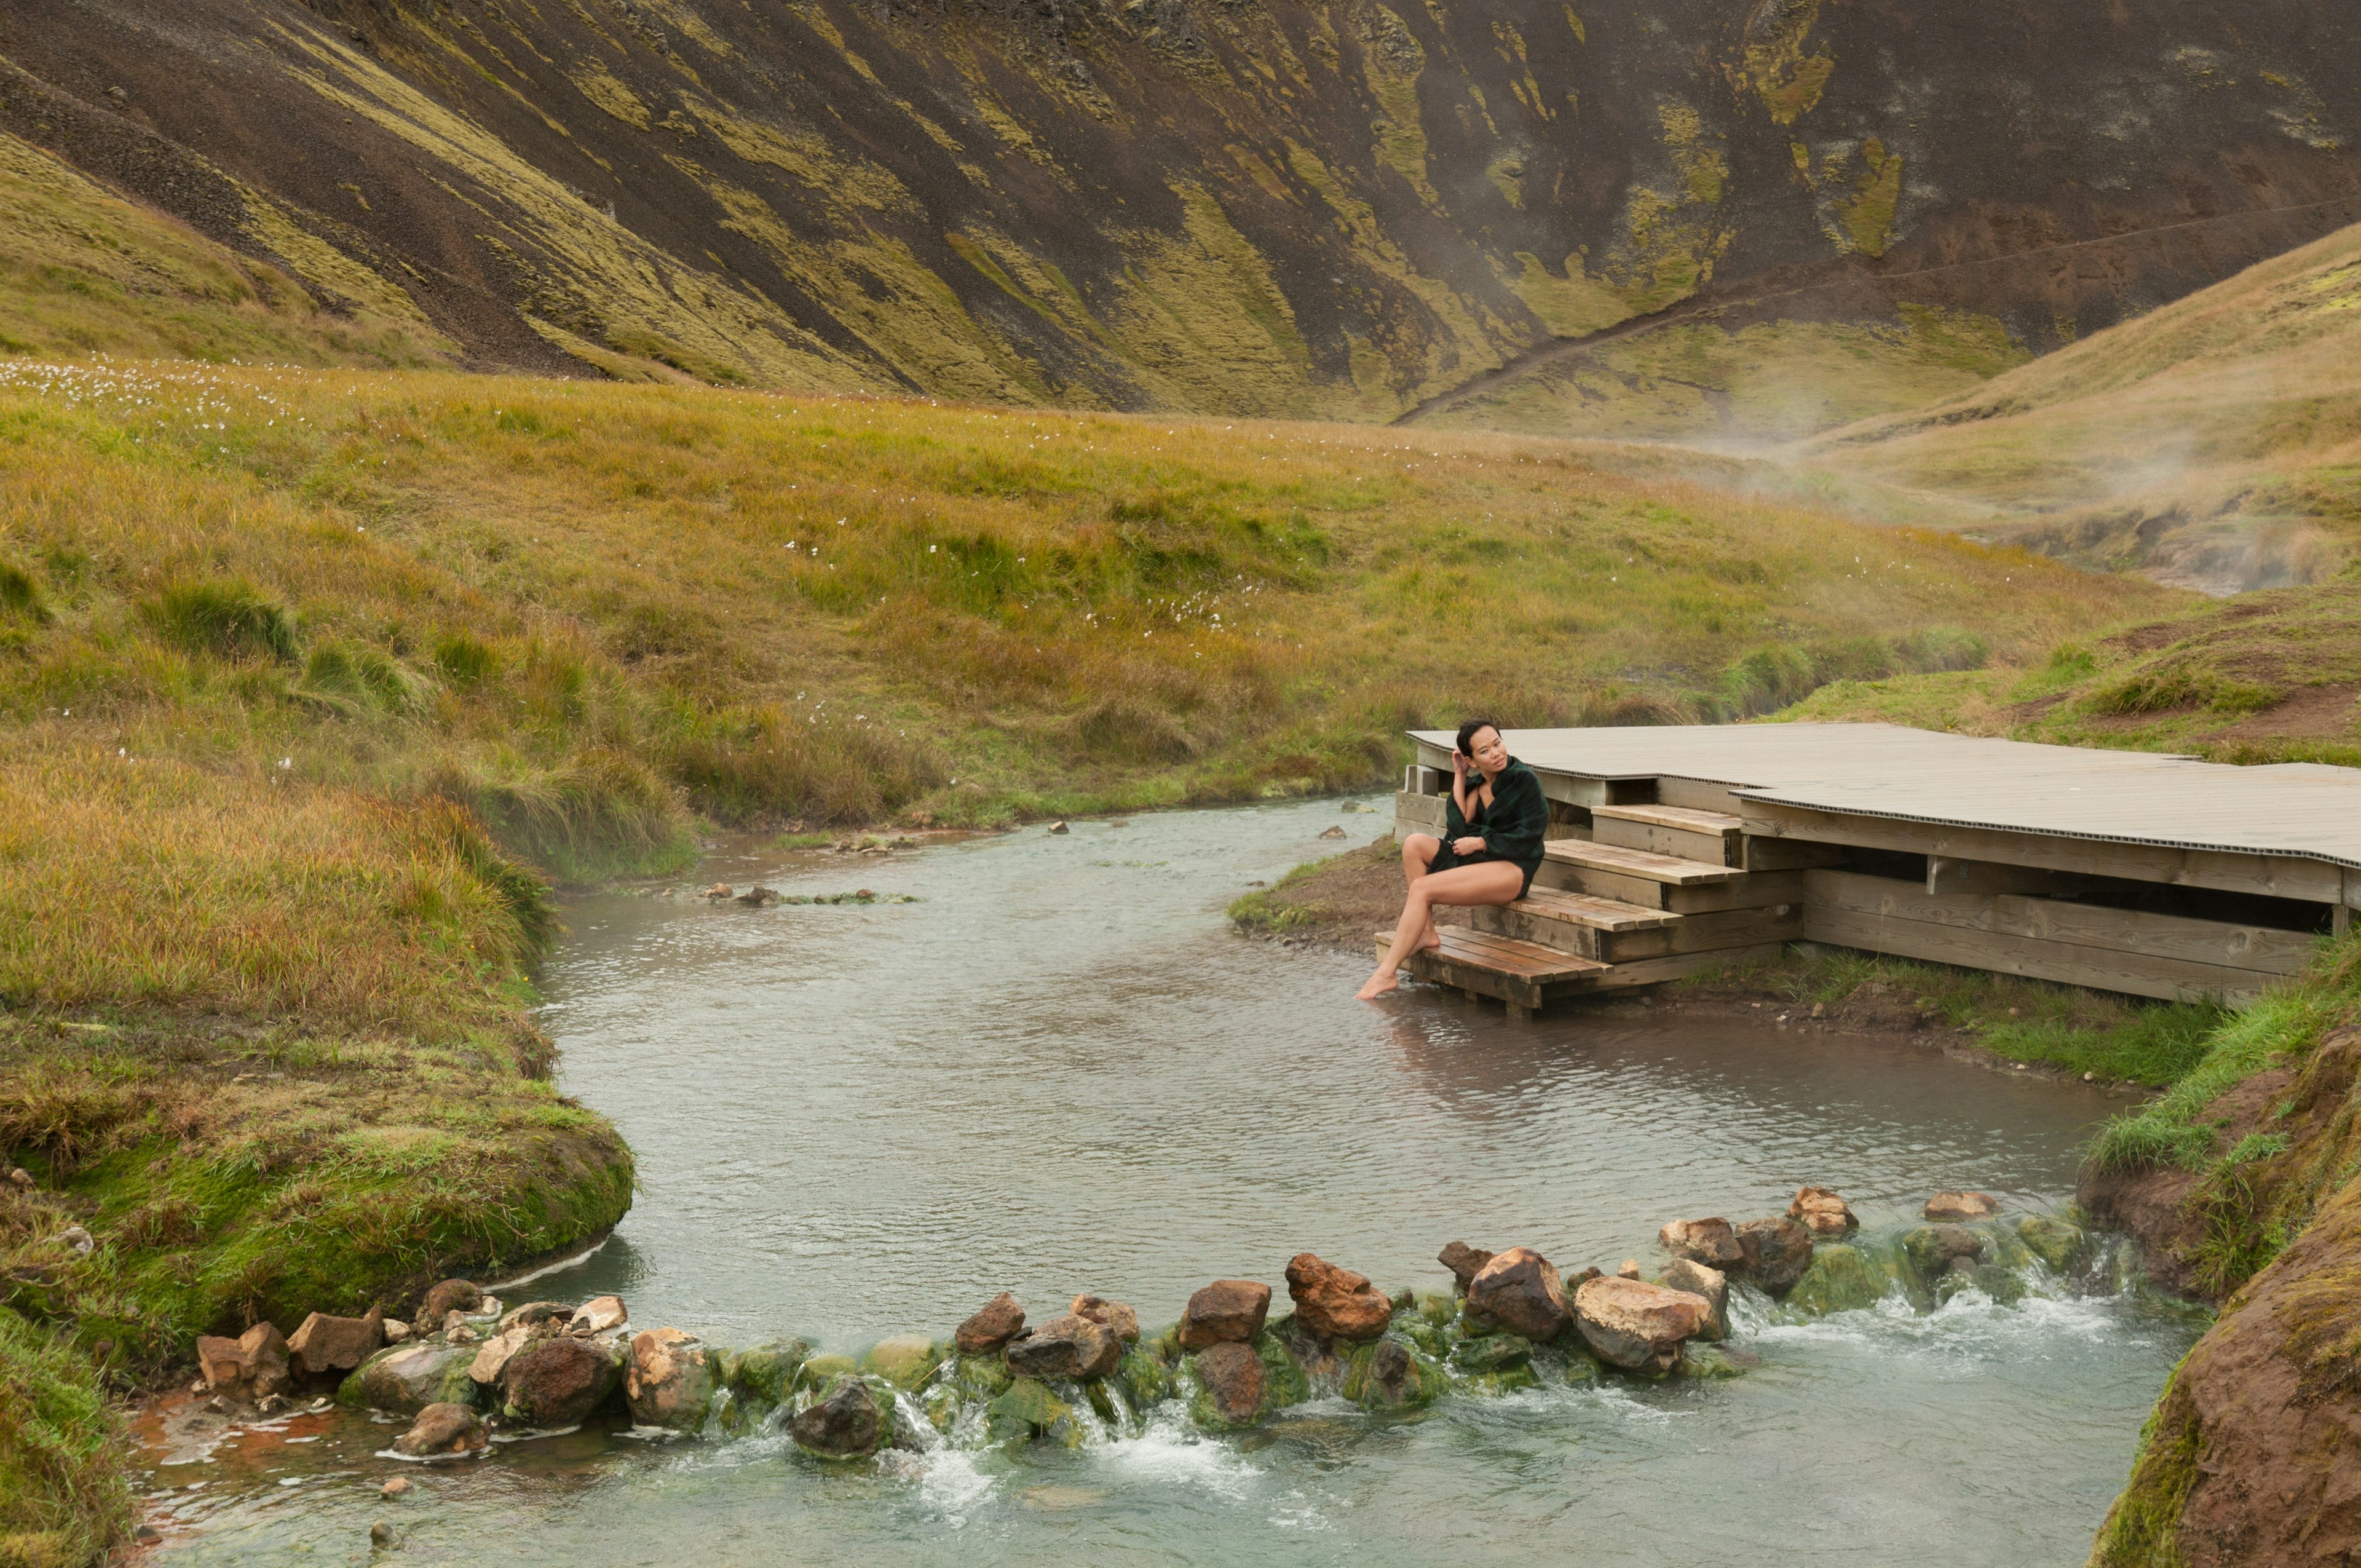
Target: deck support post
1520, 1015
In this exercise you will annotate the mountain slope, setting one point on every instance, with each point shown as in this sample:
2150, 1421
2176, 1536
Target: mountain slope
2215, 443
1346, 209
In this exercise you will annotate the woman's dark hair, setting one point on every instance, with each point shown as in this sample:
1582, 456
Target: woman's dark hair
1470, 730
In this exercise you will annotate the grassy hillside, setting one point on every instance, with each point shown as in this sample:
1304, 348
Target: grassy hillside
2265, 678
2215, 442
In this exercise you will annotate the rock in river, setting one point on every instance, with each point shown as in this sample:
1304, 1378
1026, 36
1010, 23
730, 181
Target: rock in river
1775, 1253
906, 1361
443, 1430
1632, 1323
1234, 1383
1117, 1317
408, 1377
1933, 1248
1821, 1211
999, 1320
1711, 1284
855, 1419
669, 1381
1391, 1375
1226, 1310
1335, 1303
450, 1296
1519, 1291
1066, 1346
1960, 1206
1841, 1279
1709, 1241
558, 1382
1464, 1261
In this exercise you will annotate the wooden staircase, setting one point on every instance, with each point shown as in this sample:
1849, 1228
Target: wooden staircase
1655, 893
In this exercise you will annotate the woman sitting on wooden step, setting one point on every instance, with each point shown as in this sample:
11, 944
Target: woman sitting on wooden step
1491, 849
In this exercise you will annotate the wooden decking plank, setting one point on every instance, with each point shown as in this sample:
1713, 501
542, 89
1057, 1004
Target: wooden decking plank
1640, 863
1687, 818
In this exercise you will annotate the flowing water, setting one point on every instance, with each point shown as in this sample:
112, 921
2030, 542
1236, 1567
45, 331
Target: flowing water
1056, 1070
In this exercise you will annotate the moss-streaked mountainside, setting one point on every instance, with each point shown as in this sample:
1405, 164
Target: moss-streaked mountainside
1341, 208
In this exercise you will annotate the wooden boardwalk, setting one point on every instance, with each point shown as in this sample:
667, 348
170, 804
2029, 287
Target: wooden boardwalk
1672, 850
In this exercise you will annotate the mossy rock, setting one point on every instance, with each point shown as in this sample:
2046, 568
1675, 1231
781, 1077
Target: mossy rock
1145, 1379
1105, 1400
764, 1375
2003, 1244
2004, 1286
907, 1361
406, 1378
1439, 1307
1029, 1410
2056, 1242
1431, 1339
1491, 1385
942, 1404
1841, 1279
982, 1376
1582, 1368
1164, 1343
819, 1371
1491, 1352
1709, 1363
1285, 1381
1393, 1373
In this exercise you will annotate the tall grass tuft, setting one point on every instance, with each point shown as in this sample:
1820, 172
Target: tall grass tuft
228, 618
769, 766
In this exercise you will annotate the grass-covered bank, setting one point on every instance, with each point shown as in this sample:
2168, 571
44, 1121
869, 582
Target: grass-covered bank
262, 1052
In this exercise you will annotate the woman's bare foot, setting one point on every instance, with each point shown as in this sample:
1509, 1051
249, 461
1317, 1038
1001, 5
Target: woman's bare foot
1384, 980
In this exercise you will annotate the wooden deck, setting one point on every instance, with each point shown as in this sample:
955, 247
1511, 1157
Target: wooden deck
1674, 849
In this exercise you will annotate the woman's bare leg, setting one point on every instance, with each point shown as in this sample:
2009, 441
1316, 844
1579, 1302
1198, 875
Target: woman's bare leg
1487, 881
1418, 854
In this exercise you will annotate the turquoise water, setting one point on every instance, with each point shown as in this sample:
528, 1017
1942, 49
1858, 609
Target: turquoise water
1059, 1071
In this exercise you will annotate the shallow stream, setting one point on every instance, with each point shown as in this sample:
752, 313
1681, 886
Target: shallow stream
1059, 1071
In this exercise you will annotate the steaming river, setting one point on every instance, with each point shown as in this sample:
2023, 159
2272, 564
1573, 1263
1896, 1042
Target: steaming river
1059, 1071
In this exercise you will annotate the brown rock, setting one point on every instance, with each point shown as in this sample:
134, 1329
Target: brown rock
557, 1382
1065, 1347
1709, 1241
1335, 1303
450, 1296
322, 1344
252, 1367
1710, 1284
1821, 1211
1960, 1206
1227, 1310
1114, 1316
400, 1487
494, 1353
668, 1381
541, 1317
442, 1429
1464, 1261
1235, 1380
1632, 1323
1775, 1253
396, 1331
1631, 1269
1519, 1291
598, 1315
846, 1425
999, 1320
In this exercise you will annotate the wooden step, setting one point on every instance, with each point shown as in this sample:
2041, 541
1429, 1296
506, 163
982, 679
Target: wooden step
1754, 890
1623, 943
1684, 818
1643, 865
1522, 974
1593, 913
1715, 838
